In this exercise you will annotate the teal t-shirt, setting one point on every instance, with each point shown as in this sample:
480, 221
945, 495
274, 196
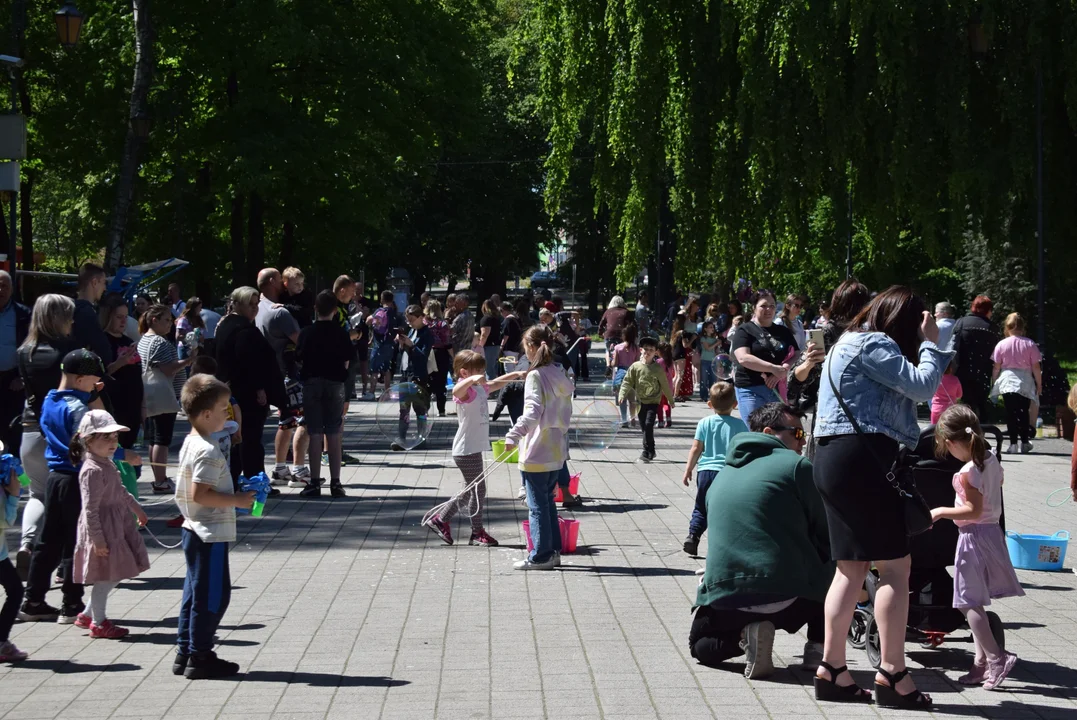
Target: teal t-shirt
716, 432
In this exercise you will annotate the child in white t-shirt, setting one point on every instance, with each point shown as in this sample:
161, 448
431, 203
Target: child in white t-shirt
470, 392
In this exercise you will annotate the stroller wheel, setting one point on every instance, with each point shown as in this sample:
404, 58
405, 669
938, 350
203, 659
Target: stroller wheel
858, 629
871, 644
997, 631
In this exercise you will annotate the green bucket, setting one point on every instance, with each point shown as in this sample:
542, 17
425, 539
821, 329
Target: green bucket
499, 452
127, 475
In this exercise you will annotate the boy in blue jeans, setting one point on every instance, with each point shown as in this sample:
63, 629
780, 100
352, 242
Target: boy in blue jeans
708, 454
208, 501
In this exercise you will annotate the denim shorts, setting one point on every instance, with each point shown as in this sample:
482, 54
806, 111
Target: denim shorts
323, 406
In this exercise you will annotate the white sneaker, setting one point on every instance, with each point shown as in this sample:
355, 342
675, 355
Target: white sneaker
813, 655
758, 646
526, 564
280, 478
557, 559
522, 495
300, 477
1012, 449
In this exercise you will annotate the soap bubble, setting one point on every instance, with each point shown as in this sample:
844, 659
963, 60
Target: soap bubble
596, 426
402, 415
606, 391
723, 367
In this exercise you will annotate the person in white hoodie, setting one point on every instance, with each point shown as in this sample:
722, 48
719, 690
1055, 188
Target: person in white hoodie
542, 434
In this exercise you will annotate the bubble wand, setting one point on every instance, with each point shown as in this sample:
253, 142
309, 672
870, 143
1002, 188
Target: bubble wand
470, 487
1065, 498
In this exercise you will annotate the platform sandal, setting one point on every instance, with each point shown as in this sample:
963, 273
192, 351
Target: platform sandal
830, 691
888, 696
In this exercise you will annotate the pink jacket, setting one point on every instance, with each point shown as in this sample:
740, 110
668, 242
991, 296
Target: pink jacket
542, 431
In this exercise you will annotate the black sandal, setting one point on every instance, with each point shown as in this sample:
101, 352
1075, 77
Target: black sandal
888, 696
830, 691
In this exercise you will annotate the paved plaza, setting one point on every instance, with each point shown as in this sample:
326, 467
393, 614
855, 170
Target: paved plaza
349, 609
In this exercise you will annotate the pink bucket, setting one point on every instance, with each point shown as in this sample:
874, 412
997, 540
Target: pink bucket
570, 534
573, 488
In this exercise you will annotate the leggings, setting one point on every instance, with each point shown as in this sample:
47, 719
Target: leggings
98, 599
1017, 422
471, 466
33, 460
9, 580
665, 412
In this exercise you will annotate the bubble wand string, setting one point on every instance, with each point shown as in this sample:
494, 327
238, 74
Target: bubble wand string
470, 487
1068, 497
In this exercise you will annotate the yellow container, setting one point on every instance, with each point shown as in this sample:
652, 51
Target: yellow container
498, 447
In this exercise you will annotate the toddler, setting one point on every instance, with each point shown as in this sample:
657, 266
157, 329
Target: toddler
947, 394
665, 361
108, 548
982, 569
708, 453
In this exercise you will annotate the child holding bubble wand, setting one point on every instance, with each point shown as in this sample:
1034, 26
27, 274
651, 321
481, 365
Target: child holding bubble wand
471, 392
542, 434
9, 578
108, 548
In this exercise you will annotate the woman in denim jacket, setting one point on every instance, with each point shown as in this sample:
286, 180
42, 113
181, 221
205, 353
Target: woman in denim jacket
886, 363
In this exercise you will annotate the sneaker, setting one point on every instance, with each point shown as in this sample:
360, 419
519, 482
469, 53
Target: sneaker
440, 528
70, 613
300, 478
482, 538
179, 663
83, 621
397, 446
368, 396
280, 477
273, 492
1013, 449
645, 457
167, 487
635, 424
38, 612
312, 490
205, 666
691, 545
1026, 448
975, 676
526, 564
556, 559
998, 670
22, 562
758, 646
10, 653
346, 459
325, 459
813, 655
176, 522
522, 495
336, 489
108, 631
669, 423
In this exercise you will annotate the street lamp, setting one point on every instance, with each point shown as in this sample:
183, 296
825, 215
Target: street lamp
68, 24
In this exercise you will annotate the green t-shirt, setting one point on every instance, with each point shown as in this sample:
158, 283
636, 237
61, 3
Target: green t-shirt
715, 432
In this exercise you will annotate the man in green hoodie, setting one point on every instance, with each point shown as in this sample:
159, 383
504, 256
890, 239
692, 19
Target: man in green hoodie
768, 548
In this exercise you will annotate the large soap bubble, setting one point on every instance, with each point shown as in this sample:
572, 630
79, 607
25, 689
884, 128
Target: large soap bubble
723, 367
402, 415
596, 426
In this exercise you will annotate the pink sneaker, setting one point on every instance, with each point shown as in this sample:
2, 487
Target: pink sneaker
441, 528
10, 653
998, 670
83, 621
108, 631
482, 538
975, 676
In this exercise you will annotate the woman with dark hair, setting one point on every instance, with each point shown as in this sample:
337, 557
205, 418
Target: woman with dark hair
790, 318
974, 338
886, 363
189, 321
762, 352
490, 338
124, 379
846, 303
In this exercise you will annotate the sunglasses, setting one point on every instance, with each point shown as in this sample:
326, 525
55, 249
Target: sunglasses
798, 433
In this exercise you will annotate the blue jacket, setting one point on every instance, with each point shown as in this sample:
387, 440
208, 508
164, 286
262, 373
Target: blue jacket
61, 414
879, 385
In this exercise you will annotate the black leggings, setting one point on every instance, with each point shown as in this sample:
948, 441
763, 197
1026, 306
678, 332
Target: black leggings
1017, 422
9, 580
249, 457
55, 546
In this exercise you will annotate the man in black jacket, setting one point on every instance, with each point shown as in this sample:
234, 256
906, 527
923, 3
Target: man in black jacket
14, 325
87, 328
974, 340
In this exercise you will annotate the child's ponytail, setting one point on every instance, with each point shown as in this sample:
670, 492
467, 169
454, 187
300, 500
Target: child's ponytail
959, 424
76, 450
541, 339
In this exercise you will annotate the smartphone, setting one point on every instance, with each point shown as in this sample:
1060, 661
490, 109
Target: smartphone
819, 338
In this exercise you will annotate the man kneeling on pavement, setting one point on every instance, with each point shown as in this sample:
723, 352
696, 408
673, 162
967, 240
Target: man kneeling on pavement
768, 549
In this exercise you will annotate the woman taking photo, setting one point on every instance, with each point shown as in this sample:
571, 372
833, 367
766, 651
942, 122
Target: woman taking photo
39, 357
490, 338
762, 355
1017, 377
124, 379
161, 366
886, 363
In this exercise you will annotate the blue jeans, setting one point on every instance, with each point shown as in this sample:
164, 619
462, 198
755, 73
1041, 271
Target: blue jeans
706, 379
698, 524
748, 399
542, 514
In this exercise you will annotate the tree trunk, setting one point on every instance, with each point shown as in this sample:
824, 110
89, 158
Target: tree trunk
125, 181
239, 262
256, 235
27, 220
287, 245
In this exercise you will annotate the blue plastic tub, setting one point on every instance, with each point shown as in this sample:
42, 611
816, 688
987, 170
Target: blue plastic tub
1038, 552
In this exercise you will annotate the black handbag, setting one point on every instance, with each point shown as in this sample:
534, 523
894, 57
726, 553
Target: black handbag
899, 475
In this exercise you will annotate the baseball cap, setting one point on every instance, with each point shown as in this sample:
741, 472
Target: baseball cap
99, 422
82, 362
550, 306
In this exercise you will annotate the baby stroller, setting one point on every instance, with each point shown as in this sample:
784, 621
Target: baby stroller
931, 588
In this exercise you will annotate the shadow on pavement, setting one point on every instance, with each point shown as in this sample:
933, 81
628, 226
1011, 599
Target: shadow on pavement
321, 679
156, 638
65, 667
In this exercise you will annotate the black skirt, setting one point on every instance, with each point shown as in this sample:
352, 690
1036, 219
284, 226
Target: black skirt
863, 511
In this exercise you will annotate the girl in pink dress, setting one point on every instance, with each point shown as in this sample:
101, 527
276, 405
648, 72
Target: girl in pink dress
108, 548
982, 568
665, 359
947, 394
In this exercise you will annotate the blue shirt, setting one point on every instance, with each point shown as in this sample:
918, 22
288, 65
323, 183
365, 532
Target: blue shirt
8, 343
715, 432
946, 330
11, 511
61, 414
879, 384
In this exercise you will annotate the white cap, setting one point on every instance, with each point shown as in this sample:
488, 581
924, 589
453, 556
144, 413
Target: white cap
99, 422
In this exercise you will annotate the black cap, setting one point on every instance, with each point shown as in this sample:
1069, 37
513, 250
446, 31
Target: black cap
82, 362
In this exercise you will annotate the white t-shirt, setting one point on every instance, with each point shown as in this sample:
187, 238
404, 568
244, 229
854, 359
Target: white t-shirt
473, 414
201, 461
